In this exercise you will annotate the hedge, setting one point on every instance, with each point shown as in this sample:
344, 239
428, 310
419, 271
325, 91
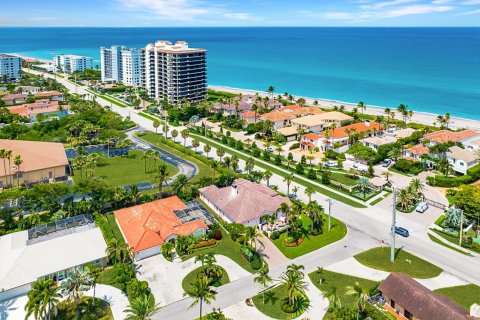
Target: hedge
205, 243
472, 175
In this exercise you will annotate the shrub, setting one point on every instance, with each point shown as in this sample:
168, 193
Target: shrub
247, 253
240, 239
256, 262
218, 235
275, 235
136, 288
235, 230
296, 145
266, 155
205, 243
278, 160
373, 313
408, 166
312, 174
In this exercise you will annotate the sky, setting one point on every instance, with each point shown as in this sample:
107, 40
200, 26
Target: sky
211, 13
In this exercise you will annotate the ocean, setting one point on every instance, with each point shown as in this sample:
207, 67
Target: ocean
435, 70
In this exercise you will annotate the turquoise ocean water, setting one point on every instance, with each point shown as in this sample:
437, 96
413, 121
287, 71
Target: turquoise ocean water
433, 70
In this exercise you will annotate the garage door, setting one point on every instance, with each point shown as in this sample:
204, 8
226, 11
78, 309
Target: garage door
147, 253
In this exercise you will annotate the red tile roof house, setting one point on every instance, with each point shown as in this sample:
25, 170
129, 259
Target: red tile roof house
408, 299
45, 107
243, 202
14, 99
249, 117
339, 136
148, 226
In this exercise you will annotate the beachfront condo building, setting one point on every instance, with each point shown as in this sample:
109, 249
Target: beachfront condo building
10, 67
121, 64
174, 72
70, 63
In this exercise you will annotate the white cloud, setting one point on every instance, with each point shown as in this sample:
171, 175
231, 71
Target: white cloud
169, 9
470, 2
415, 9
43, 19
441, 1
239, 15
384, 4
470, 12
335, 15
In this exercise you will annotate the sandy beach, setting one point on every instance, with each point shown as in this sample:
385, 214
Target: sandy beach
418, 116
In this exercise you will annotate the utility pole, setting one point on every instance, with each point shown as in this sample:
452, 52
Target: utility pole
76, 84
329, 200
461, 227
394, 213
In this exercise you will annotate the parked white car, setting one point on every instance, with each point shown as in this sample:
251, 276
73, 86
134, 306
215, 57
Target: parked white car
421, 207
331, 164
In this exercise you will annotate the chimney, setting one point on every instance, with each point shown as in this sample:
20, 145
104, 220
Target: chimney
234, 189
367, 123
475, 311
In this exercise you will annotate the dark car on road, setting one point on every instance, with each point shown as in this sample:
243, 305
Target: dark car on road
402, 232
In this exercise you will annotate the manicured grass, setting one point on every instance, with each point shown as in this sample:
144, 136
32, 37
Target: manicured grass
109, 228
341, 283
342, 178
192, 276
157, 140
312, 243
374, 202
149, 117
275, 169
454, 240
274, 299
464, 296
226, 247
434, 239
127, 170
379, 258
99, 310
108, 277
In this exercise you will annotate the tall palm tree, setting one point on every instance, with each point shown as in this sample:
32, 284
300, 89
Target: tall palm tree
214, 167
156, 124
180, 183
113, 250
362, 106
309, 191
141, 309
160, 177
220, 153
288, 180
174, 134
267, 175
77, 282
185, 135
249, 164
42, 299
271, 91
264, 279
2, 155
334, 299
94, 273
404, 198
18, 161
201, 292
207, 148
295, 286
361, 296
314, 212
387, 174
195, 144
8, 155
234, 162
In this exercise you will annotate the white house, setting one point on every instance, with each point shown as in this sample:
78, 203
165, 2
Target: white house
71, 63
318, 122
461, 159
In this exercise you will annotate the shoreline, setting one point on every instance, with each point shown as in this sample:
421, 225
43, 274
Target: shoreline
425, 118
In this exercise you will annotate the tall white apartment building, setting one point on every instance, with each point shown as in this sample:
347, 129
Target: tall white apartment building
71, 63
174, 71
10, 66
119, 63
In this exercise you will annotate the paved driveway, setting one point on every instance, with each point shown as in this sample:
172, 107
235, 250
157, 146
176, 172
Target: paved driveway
165, 277
270, 252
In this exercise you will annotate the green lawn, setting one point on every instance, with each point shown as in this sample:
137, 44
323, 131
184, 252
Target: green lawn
192, 276
159, 141
463, 295
226, 247
126, 170
342, 178
275, 169
312, 243
108, 277
340, 282
99, 310
434, 239
454, 240
109, 227
274, 299
379, 258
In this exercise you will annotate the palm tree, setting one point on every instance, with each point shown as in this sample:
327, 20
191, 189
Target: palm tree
404, 198
361, 296
216, 314
334, 298
362, 106
179, 184
267, 175
416, 186
309, 191
214, 167
185, 135
2, 155
17, 162
295, 286
264, 279
156, 124
8, 155
160, 178
234, 162
402, 109
288, 180
314, 212
271, 91
113, 250
42, 299
207, 148
195, 144
249, 164
227, 162
387, 174
174, 134
94, 273
77, 282
220, 153
201, 292
141, 308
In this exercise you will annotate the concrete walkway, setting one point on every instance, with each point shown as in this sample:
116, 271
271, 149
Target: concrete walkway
269, 252
165, 277
117, 299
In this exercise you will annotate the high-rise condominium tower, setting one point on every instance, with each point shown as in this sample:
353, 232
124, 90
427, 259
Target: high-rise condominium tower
174, 72
119, 63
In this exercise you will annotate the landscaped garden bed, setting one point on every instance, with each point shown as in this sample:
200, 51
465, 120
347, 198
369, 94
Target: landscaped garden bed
88, 308
218, 281
272, 304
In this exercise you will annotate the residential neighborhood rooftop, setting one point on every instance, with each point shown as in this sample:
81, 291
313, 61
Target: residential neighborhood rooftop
244, 200
318, 119
444, 136
13, 96
380, 141
458, 153
288, 131
418, 149
359, 127
48, 94
151, 224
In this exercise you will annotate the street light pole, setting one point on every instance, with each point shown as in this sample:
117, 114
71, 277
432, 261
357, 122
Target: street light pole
329, 200
394, 213
76, 92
